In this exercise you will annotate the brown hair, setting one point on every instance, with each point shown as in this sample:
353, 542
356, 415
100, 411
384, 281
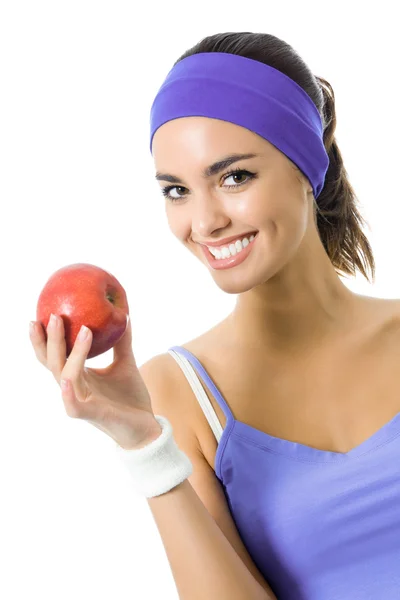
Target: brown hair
336, 213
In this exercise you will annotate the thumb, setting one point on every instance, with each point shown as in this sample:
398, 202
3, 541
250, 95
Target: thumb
122, 350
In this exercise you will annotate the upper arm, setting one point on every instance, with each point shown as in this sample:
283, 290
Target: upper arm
169, 401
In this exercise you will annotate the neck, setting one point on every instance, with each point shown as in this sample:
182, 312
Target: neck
302, 307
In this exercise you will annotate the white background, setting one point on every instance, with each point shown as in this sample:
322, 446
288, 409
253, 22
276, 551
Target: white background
77, 184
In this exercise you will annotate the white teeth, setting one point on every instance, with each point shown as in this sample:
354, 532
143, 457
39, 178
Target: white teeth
232, 249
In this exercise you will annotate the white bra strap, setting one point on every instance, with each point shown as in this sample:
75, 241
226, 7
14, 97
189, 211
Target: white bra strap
199, 392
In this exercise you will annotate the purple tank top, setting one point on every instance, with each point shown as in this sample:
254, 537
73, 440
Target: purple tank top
319, 525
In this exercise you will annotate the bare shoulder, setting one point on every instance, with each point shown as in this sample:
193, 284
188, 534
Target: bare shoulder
381, 314
167, 399
396, 313
160, 379
389, 309
392, 305
156, 370
173, 396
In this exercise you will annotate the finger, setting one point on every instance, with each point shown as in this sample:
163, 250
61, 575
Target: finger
122, 350
75, 365
56, 348
38, 341
73, 407
69, 398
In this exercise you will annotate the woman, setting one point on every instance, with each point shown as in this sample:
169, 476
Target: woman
288, 409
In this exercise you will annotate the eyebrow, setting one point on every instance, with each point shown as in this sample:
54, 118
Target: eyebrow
213, 169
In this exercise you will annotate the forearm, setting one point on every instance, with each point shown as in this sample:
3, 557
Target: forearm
203, 563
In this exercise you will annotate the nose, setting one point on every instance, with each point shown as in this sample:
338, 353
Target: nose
208, 215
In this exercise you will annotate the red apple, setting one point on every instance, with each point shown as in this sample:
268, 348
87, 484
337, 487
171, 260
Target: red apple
83, 294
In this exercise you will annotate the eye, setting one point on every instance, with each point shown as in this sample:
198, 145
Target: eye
166, 191
239, 173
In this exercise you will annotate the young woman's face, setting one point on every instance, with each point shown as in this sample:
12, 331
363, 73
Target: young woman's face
271, 197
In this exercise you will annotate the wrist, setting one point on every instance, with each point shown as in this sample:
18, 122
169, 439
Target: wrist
153, 431
152, 434
159, 466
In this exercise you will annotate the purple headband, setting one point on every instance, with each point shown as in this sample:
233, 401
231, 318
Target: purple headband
251, 94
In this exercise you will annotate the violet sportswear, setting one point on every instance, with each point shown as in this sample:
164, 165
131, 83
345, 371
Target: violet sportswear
319, 525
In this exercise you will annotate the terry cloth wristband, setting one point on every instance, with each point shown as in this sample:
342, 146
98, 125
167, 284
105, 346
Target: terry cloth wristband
158, 467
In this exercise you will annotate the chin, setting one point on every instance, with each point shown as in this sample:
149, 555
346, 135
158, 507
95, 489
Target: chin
237, 283
231, 288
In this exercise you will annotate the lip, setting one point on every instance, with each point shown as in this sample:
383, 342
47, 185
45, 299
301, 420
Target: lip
231, 261
228, 240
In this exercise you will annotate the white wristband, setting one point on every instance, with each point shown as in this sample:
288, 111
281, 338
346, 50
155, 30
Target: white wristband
159, 466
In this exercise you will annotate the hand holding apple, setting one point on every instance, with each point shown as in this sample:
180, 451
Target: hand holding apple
83, 294
114, 399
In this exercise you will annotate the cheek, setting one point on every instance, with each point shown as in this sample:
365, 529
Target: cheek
283, 217
178, 226
292, 224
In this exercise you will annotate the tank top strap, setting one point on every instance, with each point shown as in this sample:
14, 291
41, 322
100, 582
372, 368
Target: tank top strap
190, 365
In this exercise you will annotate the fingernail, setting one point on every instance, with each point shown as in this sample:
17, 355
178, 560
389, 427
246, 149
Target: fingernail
52, 321
83, 333
31, 327
64, 384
